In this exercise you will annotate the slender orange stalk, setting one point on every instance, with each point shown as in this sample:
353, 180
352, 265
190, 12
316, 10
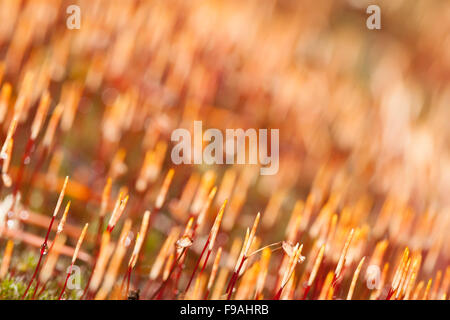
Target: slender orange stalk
249, 237
213, 273
119, 208
341, 262
327, 285
164, 189
295, 257
209, 242
314, 271
427, 290
6, 259
6, 161
137, 248
354, 279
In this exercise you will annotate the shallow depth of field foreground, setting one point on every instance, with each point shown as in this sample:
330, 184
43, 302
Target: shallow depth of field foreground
93, 205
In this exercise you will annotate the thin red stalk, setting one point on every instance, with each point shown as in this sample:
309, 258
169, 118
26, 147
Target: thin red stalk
181, 264
35, 289
42, 289
34, 275
229, 282
172, 268
231, 285
234, 278
160, 294
194, 230
180, 268
305, 294
88, 282
337, 288
128, 281
205, 262
196, 265
65, 282
43, 250
126, 278
178, 277
390, 293
278, 295
334, 281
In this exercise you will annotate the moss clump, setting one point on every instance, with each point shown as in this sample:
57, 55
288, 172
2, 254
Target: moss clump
12, 288
27, 262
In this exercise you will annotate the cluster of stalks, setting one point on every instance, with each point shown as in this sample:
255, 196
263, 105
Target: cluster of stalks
349, 215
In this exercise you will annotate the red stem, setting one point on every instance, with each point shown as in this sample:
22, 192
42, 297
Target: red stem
42, 289
34, 275
35, 289
306, 292
126, 278
178, 276
158, 292
234, 278
278, 295
196, 266
65, 282
229, 282
43, 249
204, 263
128, 281
390, 293
206, 295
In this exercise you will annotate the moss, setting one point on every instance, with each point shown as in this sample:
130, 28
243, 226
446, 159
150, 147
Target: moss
27, 262
12, 288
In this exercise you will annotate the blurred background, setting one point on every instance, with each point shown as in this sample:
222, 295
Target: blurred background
363, 114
